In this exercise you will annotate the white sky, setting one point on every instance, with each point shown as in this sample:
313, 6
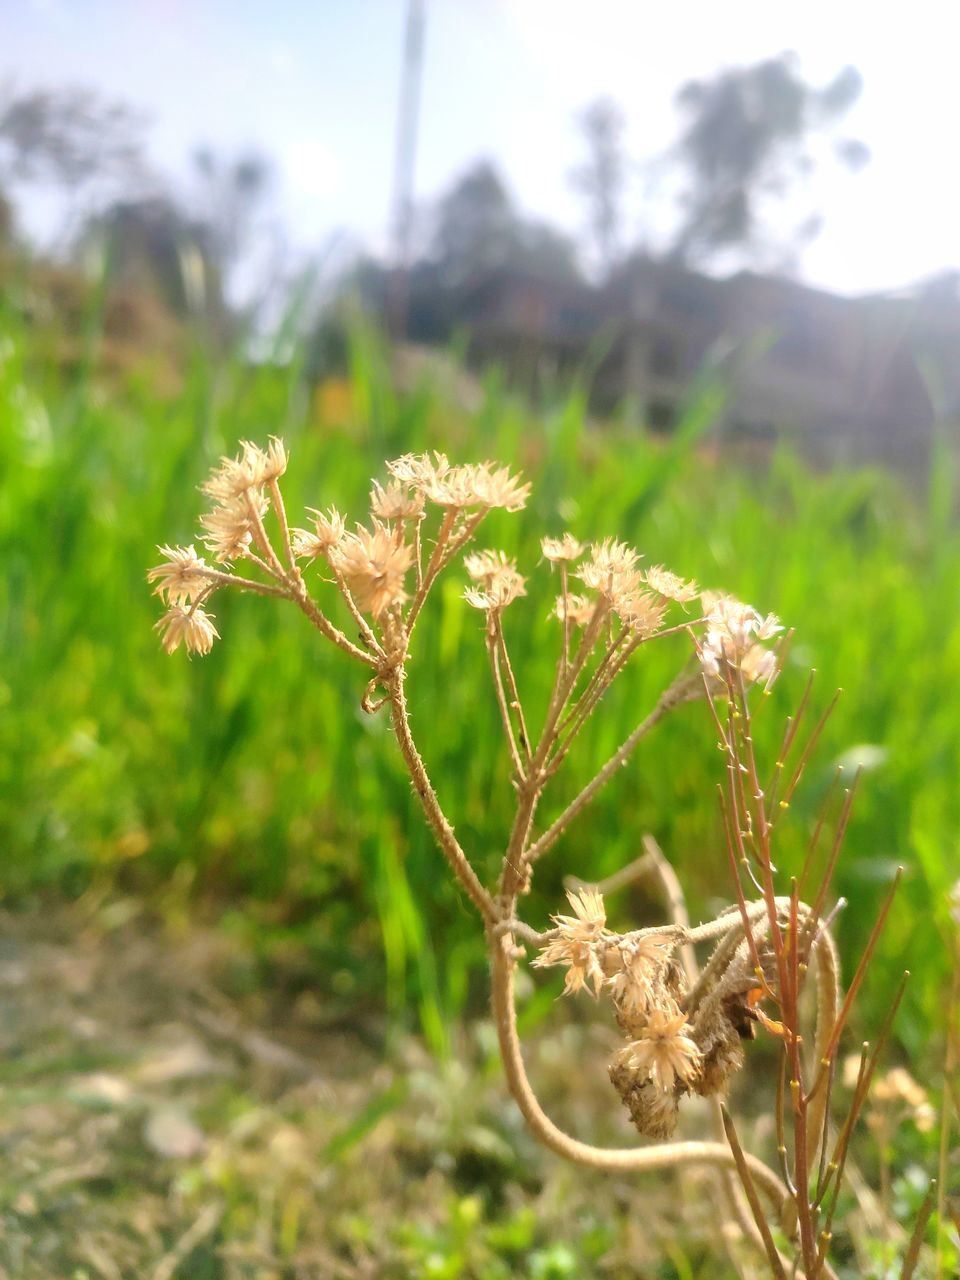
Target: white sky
315, 83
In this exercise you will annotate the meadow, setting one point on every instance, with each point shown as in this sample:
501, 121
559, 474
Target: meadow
248, 789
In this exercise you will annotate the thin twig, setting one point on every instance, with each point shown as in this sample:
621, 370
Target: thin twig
515, 702
307, 605
274, 566
245, 584
912, 1256
204, 1224
370, 639
494, 656
668, 700
746, 1178
442, 829
282, 521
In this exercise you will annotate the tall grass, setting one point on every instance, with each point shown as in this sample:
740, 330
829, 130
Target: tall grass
252, 780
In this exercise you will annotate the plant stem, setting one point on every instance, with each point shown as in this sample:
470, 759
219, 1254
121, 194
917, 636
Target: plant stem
449, 845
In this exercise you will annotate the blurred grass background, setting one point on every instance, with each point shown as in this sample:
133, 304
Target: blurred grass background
250, 786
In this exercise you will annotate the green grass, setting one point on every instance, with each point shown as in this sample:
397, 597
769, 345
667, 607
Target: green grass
252, 780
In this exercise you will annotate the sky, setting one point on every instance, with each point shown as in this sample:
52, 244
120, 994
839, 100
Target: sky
315, 83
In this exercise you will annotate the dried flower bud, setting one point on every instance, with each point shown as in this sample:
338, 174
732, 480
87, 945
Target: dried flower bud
252, 469
611, 571
474, 485
638, 962
653, 1110
733, 629
264, 465
182, 576
328, 531
483, 565
230, 525
193, 627
670, 585
501, 589
418, 470
500, 583
562, 549
640, 611
576, 609
575, 943
665, 1052
373, 565
395, 502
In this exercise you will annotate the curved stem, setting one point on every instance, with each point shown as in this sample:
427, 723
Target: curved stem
304, 601
828, 1005
623, 1159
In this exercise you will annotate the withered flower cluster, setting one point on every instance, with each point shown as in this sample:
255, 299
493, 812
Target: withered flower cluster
678, 1041
371, 563
683, 1029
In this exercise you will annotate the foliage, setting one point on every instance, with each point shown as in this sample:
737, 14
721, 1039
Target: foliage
118, 767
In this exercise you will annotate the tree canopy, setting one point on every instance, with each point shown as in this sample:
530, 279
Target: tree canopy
744, 142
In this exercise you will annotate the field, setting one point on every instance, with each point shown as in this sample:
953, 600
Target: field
248, 792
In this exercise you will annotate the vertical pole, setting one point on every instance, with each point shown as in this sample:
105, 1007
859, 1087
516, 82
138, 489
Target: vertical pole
405, 157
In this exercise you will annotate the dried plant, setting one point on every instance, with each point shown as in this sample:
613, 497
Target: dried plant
773, 965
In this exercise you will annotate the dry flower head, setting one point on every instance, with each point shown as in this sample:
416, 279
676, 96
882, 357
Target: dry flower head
668, 584
182, 577
396, 502
374, 564
327, 532
193, 628
574, 942
560, 550
665, 1053
731, 641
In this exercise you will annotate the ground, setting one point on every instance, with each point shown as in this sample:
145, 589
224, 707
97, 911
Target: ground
165, 1114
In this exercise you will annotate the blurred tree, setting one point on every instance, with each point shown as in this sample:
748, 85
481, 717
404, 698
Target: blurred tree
601, 178
152, 245
74, 140
230, 201
744, 141
477, 229
473, 233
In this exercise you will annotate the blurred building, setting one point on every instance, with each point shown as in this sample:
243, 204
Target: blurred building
841, 377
